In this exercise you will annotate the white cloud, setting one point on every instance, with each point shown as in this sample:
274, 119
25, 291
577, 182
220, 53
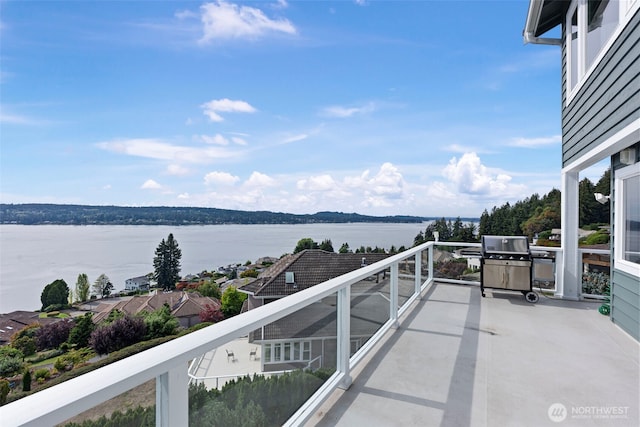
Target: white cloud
106, 187
150, 184
535, 142
177, 170
470, 176
295, 138
184, 196
222, 20
15, 119
225, 105
160, 150
280, 4
222, 178
344, 112
258, 179
216, 139
238, 140
317, 183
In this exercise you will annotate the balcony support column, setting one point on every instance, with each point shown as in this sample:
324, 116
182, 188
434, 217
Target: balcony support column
418, 273
172, 398
570, 283
344, 336
393, 296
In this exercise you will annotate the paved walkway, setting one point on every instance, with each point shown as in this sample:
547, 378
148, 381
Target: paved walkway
462, 360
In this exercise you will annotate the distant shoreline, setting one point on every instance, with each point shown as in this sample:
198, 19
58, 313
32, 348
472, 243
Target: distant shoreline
56, 214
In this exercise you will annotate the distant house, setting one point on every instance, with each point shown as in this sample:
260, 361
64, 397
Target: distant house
185, 306
140, 283
10, 323
308, 337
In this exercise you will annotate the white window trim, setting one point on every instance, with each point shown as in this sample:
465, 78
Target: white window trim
627, 9
619, 262
281, 344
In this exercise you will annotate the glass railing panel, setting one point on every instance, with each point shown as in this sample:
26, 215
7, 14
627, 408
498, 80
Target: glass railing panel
370, 303
265, 377
406, 280
133, 407
455, 263
596, 271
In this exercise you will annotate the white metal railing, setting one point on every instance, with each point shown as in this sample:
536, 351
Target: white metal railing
169, 363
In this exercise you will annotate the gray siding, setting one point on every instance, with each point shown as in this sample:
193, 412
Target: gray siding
625, 302
608, 101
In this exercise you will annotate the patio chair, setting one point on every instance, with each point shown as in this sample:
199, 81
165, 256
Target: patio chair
230, 355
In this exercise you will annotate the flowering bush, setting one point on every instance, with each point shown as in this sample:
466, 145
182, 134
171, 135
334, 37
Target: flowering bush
595, 283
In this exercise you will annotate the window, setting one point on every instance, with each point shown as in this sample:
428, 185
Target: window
627, 219
602, 20
296, 351
591, 27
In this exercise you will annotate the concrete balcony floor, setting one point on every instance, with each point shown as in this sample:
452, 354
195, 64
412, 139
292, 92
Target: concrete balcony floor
458, 359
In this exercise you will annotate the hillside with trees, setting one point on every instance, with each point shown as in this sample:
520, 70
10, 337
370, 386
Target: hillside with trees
35, 214
535, 215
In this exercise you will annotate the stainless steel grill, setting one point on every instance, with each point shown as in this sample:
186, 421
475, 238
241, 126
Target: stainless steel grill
506, 264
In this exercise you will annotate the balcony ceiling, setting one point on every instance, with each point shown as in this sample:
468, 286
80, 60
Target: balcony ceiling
552, 15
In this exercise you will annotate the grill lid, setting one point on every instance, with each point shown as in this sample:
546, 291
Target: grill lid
506, 245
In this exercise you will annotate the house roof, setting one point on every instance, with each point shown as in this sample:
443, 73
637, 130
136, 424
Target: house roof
182, 304
309, 267
369, 311
551, 14
10, 323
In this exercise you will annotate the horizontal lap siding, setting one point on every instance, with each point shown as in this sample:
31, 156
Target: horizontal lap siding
608, 101
625, 302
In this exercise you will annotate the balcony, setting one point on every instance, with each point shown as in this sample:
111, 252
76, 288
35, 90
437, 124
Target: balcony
407, 349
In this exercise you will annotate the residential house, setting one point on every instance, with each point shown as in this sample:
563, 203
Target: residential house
600, 56
185, 306
308, 337
140, 283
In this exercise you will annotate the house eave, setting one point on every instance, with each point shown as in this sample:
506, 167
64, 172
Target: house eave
542, 16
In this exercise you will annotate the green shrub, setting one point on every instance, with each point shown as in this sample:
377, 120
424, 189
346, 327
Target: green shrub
10, 365
598, 238
4, 391
26, 381
42, 374
595, 283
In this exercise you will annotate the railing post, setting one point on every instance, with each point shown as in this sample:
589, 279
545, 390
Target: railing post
393, 295
344, 336
172, 398
418, 273
430, 262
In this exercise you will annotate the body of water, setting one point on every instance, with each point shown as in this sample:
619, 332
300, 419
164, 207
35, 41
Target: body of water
33, 256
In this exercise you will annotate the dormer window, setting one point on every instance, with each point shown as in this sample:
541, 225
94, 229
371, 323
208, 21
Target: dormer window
289, 278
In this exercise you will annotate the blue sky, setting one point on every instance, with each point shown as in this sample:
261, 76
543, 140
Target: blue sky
432, 108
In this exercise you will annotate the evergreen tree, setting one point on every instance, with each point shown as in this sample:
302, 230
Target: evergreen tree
326, 245
79, 335
82, 288
166, 263
344, 249
55, 294
306, 243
